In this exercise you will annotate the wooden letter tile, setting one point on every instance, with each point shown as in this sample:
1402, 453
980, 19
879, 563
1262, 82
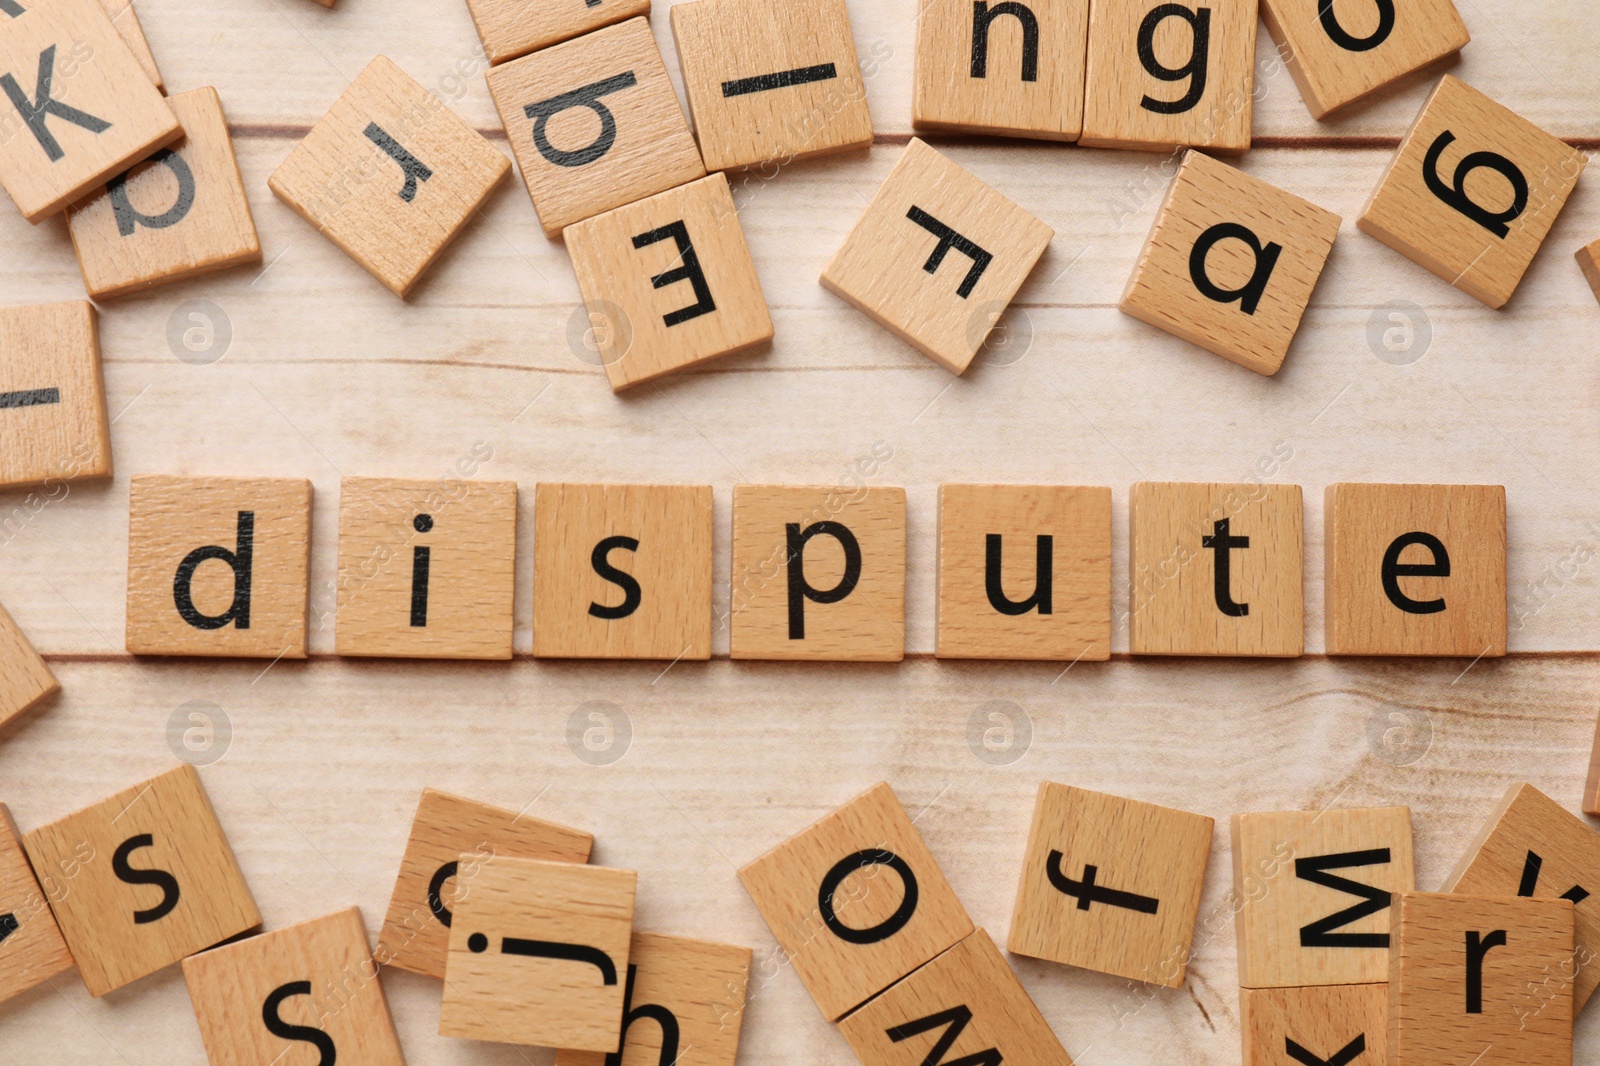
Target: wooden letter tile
1314, 890
1475, 979
426, 567
539, 954
1589, 261
857, 901
771, 80
25, 678
1161, 75
594, 124
1591, 788
937, 257
675, 271
622, 571
282, 995
683, 1004
1216, 569
1004, 68
1230, 263
142, 879
179, 214
1344, 1024
967, 1004
217, 566
819, 573
1416, 570
123, 17
1111, 884
415, 935
1024, 572
78, 106
1531, 846
52, 395
512, 28
1472, 192
31, 948
390, 175
1338, 53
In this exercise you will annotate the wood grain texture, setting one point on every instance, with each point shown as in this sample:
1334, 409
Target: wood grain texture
1328, 1023
126, 20
55, 406
32, 950
25, 678
512, 28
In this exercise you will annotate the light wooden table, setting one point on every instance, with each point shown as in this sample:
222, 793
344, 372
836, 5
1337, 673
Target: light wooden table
326, 374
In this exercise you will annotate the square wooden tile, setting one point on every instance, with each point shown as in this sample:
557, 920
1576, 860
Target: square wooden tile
818, 573
52, 395
1110, 884
1316, 888
74, 124
897, 266
147, 878
1162, 75
1531, 846
31, 948
1009, 69
416, 930
1024, 572
1344, 1024
673, 278
967, 1004
622, 571
217, 566
180, 214
1589, 261
539, 955
25, 678
1470, 981
683, 1004
512, 28
426, 568
595, 124
1472, 192
1216, 569
279, 996
856, 900
1416, 570
126, 20
1341, 53
770, 80
1230, 263
390, 175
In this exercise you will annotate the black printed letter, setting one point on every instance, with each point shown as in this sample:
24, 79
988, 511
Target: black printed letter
1321, 933
982, 15
130, 218
1478, 946
1249, 294
860, 861
662, 1016
800, 589
160, 878
1495, 223
304, 1033
1194, 69
954, 1022
36, 113
632, 594
239, 560
948, 239
1222, 585
1337, 34
687, 270
412, 167
1043, 582
588, 96
1393, 569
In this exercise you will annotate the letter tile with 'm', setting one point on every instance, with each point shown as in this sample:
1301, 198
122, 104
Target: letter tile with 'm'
25, 678
31, 948
53, 424
1328, 1025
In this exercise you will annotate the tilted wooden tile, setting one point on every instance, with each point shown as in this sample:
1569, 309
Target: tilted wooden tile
668, 282
1024, 572
1230, 263
390, 175
818, 573
25, 678
426, 568
53, 423
966, 1005
1347, 1025
1161, 75
622, 571
539, 955
1341, 53
594, 124
1472, 192
771, 80
179, 214
1589, 260
1314, 890
126, 21
512, 28
217, 566
1531, 846
1110, 884
1001, 68
856, 900
683, 1004
73, 123
416, 931
31, 948
1470, 981
1591, 787
896, 266
1216, 569
1415, 570
147, 878
278, 997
